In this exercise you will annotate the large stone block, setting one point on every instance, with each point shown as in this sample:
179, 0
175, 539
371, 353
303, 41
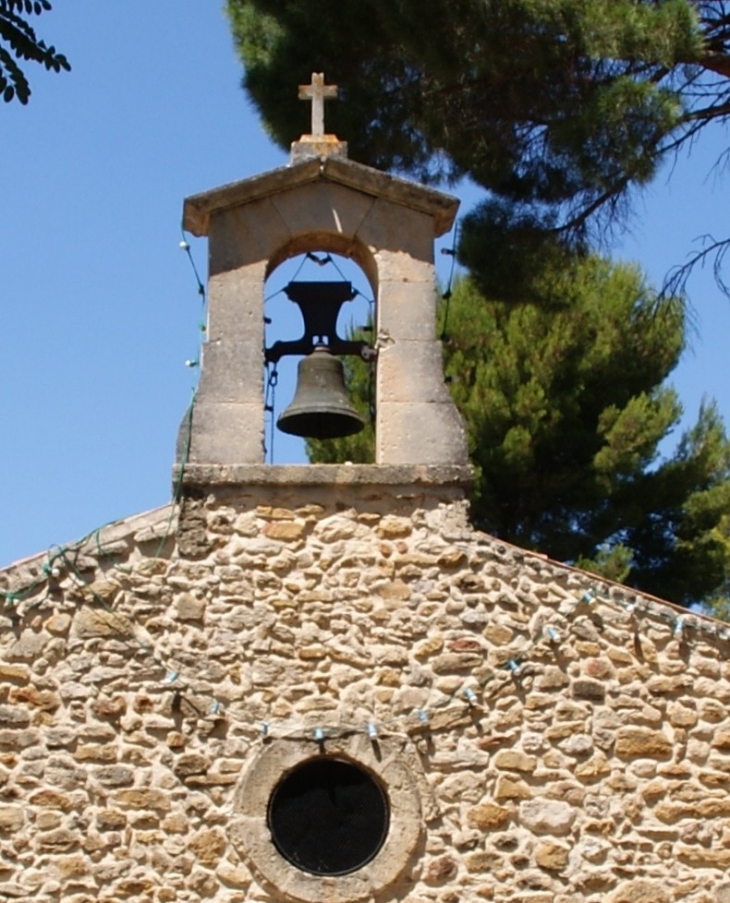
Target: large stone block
411, 372
551, 856
317, 207
640, 891
230, 374
419, 433
487, 816
400, 266
241, 236
403, 231
233, 294
407, 310
547, 816
232, 358
227, 433
640, 742
12, 818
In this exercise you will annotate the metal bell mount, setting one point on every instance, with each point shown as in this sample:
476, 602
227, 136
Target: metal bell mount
320, 408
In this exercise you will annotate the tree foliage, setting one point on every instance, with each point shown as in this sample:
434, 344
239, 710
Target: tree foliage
19, 41
556, 107
566, 406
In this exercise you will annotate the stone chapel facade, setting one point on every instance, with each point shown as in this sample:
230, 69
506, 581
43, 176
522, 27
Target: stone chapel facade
319, 684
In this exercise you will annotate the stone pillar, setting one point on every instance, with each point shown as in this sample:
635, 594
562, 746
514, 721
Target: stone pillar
416, 420
228, 411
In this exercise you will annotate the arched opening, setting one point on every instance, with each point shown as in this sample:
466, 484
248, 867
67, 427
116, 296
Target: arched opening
319, 258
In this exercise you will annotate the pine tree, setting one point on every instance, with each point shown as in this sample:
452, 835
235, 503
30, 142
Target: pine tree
556, 107
566, 406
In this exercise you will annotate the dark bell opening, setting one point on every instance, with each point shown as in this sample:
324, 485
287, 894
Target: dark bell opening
328, 817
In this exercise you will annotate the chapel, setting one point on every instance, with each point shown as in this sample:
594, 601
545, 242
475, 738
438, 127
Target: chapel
319, 683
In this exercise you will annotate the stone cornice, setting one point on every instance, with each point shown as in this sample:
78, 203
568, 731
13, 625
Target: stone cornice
197, 209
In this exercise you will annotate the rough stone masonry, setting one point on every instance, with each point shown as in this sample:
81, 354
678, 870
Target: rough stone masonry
566, 742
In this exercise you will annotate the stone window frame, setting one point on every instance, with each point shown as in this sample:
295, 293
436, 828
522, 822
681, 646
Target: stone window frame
250, 835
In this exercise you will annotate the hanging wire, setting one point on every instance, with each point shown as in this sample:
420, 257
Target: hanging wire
194, 363
284, 288
320, 261
186, 247
330, 259
447, 294
269, 407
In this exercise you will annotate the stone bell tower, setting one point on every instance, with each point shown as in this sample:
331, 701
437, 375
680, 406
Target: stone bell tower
322, 201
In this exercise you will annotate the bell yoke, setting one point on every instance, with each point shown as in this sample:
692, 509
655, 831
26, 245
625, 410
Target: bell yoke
320, 408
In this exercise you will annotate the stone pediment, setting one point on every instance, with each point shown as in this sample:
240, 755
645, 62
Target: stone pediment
364, 179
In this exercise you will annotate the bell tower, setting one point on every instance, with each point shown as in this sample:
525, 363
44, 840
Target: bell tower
322, 201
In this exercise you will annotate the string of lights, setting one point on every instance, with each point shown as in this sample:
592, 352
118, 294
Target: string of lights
446, 296
470, 699
185, 246
194, 362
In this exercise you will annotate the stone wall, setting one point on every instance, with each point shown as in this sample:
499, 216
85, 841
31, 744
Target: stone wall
567, 741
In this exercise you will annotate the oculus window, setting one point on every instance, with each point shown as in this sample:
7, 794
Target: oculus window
328, 816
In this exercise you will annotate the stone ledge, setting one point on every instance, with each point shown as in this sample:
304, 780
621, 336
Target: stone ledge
323, 475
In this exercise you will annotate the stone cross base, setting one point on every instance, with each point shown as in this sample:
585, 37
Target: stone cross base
318, 146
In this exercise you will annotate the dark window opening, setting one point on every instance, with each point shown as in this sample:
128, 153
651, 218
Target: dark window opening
328, 816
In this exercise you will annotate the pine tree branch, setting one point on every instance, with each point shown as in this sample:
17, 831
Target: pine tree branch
715, 61
714, 250
707, 113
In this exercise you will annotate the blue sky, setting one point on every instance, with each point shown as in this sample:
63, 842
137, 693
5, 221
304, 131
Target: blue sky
100, 307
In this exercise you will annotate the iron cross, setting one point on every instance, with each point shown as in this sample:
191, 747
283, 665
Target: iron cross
317, 92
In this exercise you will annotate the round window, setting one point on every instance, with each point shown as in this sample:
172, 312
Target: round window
328, 816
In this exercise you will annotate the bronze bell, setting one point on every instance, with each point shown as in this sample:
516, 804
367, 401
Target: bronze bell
320, 408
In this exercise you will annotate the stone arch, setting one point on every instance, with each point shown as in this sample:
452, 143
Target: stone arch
349, 246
